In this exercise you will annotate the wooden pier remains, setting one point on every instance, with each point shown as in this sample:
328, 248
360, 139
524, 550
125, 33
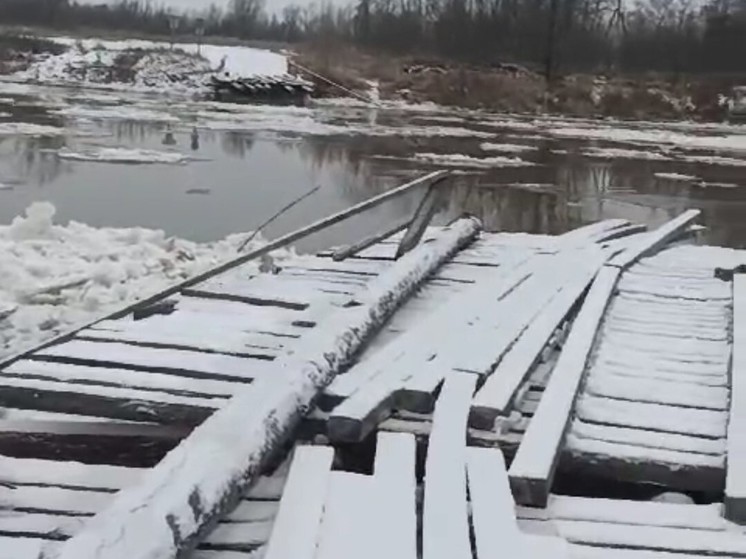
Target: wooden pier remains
428, 392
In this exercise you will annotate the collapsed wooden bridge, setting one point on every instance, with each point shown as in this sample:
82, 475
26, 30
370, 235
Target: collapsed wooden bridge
366, 400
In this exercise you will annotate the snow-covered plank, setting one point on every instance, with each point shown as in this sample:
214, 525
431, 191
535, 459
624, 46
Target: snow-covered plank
296, 531
371, 386
492, 507
106, 401
673, 540
498, 392
71, 475
396, 488
138, 380
654, 240
25, 548
273, 290
653, 417
633, 513
592, 232
657, 391
349, 526
532, 470
580, 551
226, 454
652, 373
445, 511
735, 479
648, 439
157, 360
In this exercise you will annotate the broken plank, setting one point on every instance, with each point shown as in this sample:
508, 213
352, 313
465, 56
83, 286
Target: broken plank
735, 479
653, 241
422, 217
225, 455
498, 393
168, 361
296, 531
445, 510
532, 471
395, 492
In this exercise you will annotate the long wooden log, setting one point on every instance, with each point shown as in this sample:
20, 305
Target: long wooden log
280, 242
179, 500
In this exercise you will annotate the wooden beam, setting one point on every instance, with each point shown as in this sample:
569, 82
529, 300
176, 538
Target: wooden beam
655, 240
422, 217
345, 252
297, 527
280, 242
176, 503
735, 477
532, 471
445, 515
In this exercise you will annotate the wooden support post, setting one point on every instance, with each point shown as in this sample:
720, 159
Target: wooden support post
422, 217
533, 468
179, 500
735, 476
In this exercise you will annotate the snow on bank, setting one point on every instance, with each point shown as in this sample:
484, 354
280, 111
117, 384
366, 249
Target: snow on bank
461, 160
28, 129
54, 277
125, 155
507, 148
678, 177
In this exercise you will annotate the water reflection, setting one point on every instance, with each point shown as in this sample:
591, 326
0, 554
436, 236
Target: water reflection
241, 177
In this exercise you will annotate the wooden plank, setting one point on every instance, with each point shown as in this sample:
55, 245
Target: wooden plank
532, 471
17, 471
232, 263
371, 386
138, 380
589, 233
445, 511
348, 529
498, 393
492, 508
296, 531
735, 479
652, 417
396, 488
25, 548
654, 240
169, 361
346, 252
422, 217
106, 401
226, 454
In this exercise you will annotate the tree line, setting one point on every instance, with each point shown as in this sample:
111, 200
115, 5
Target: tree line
554, 36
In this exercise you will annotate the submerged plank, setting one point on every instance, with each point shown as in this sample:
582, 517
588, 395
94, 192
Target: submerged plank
532, 471
225, 454
445, 510
735, 479
296, 531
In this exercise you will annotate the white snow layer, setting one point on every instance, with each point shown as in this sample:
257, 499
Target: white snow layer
461, 160
125, 155
54, 277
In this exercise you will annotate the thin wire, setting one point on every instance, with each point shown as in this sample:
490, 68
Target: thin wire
278, 214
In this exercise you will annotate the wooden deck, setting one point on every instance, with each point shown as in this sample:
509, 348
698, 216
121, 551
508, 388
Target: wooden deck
587, 372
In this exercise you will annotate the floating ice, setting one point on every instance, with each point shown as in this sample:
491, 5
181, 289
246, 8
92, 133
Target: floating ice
28, 129
676, 177
461, 160
125, 155
116, 113
58, 276
507, 148
620, 153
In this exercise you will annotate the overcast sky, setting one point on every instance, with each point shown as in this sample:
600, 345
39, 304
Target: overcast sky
272, 5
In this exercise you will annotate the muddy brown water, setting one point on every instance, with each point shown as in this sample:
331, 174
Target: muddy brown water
243, 175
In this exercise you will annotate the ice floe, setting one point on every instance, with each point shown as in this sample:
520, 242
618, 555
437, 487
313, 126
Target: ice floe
124, 155
507, 148
676, 177
29, 129
461, 160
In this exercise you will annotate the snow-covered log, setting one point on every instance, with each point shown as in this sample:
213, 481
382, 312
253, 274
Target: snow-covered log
179, 500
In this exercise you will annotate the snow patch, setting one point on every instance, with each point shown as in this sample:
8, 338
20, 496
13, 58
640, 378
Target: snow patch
676, 177
58, 276
507, 148
28, 129
461, 160
125, 155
